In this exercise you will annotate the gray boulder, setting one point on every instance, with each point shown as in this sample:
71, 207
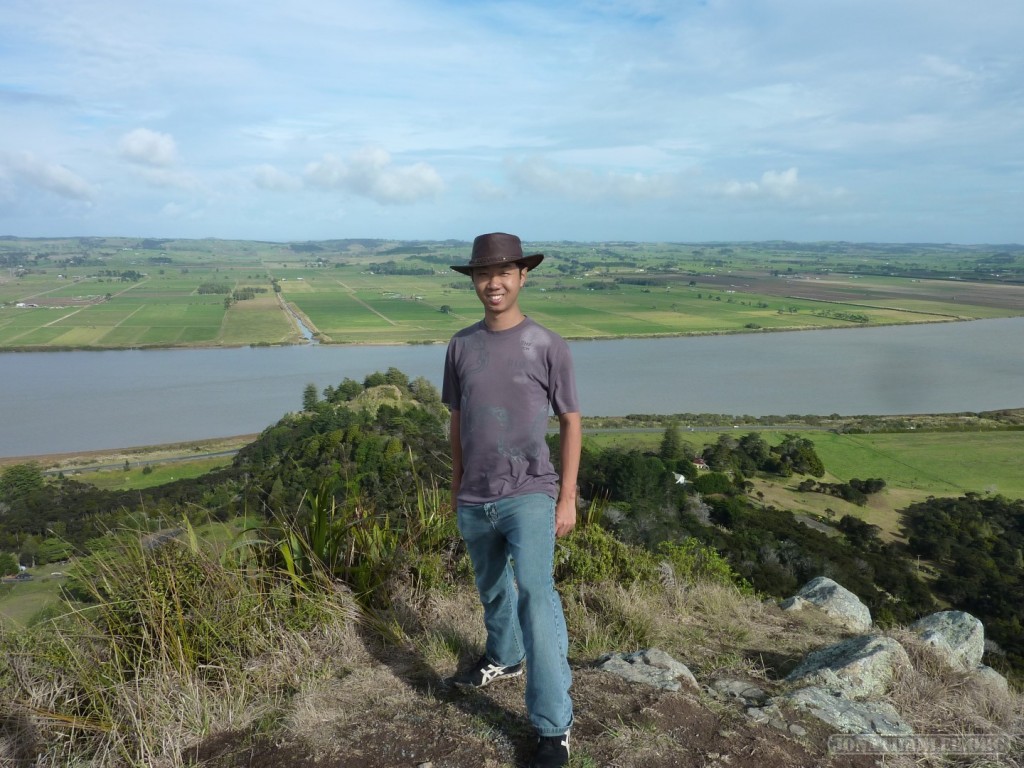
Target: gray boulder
846, 716
989, 677
749, 693
835, 600
859, 668
651, 667
957, 636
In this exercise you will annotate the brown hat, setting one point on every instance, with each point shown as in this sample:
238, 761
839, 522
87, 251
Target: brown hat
498, 248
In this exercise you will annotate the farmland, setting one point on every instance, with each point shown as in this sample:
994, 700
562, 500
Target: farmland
915, 463
110, 293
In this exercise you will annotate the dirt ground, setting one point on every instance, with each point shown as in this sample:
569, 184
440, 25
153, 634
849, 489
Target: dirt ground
618, 725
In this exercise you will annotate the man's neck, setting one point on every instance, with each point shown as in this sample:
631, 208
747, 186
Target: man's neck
505, 320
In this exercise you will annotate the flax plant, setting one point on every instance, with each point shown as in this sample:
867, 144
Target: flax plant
351, 542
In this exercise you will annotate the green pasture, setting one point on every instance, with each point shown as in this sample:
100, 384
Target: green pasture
384, 308
159, 473
936, 463
915, 465
20, 601
258, 318
579, 292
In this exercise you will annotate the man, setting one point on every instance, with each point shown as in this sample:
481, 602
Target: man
501, 376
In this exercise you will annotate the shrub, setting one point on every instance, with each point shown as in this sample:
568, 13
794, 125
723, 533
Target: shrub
694, 561
713, 482
592, 555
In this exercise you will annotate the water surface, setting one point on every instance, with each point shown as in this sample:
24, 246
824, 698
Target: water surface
53, 402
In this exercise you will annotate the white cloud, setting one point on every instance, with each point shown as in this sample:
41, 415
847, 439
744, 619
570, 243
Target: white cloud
271, 178
147, 147
53, 177
370, 173
170, 178
781, 186
777, 184
486, 190
538, 175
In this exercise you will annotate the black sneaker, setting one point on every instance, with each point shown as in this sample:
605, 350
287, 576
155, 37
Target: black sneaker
485, 672
552, 752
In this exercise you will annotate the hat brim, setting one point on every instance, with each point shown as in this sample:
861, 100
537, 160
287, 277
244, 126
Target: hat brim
529, 262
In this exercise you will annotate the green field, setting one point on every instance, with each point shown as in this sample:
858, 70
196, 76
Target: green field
929, 463
158, 474
20, 601
914, 464
95, 293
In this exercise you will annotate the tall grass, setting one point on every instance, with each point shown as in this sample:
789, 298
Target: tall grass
162, 642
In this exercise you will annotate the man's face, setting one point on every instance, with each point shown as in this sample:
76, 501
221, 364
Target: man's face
497, 286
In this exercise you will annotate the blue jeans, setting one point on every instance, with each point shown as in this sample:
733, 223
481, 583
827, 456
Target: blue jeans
512, 544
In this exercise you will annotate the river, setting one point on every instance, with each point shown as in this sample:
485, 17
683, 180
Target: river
59, 402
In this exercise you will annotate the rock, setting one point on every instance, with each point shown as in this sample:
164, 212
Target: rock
651, 667
956, 635
835, 600
860, 667
846, 716
794, 604
738, 689
988, 676
759, 714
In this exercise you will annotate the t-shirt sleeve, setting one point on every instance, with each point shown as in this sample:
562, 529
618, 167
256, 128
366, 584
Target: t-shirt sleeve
451, 390
562, 380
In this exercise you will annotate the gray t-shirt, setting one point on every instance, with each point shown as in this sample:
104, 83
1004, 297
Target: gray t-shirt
502, 384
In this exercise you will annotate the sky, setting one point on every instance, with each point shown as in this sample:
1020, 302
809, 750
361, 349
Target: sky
597, 120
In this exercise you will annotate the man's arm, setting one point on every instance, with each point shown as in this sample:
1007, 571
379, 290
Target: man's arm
571, 441
456, 438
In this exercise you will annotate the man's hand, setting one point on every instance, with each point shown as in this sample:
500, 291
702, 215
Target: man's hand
565, 516
571, 439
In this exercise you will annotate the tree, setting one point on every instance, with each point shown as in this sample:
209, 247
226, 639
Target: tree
671, 444
29, 551
310, 397
756, 450
797, 454
53, 550
8, 564
19, 481
347, 390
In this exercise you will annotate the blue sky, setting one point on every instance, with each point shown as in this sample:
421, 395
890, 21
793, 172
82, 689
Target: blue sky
656, 120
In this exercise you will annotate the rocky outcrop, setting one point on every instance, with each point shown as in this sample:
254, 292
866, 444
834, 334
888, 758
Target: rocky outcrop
959, 639
836, 601
843, 684
858, 668
651, 667
847, 716
956, 635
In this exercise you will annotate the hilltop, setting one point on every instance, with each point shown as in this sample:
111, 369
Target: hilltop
305, 605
